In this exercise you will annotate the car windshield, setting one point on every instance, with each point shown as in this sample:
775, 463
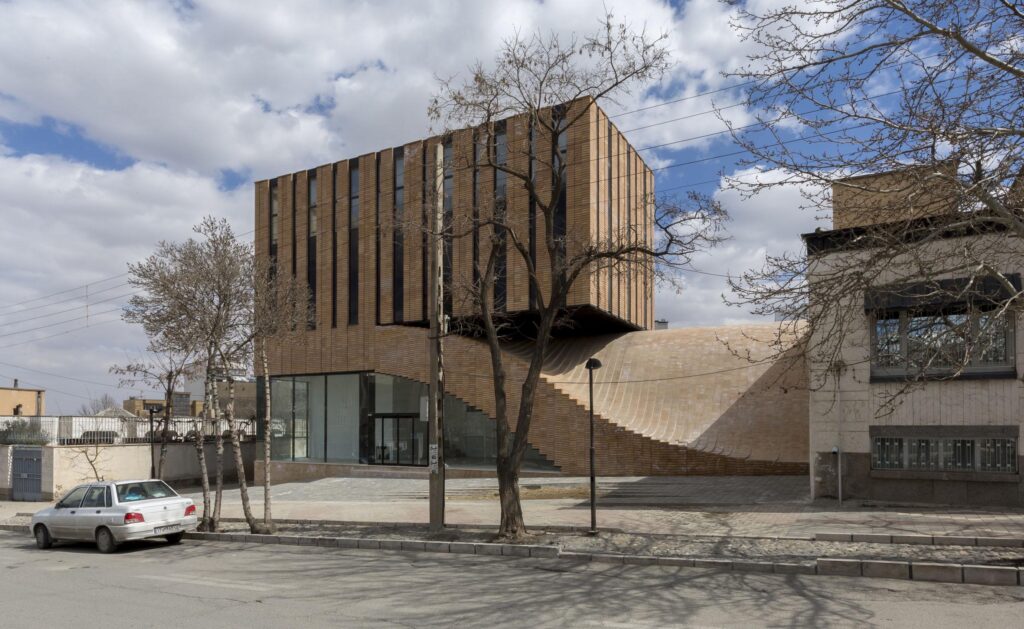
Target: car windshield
143, 490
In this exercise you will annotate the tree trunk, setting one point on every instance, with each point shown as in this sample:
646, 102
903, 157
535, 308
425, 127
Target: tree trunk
164, 436
205, 523
268, 521
236, 448
219, 441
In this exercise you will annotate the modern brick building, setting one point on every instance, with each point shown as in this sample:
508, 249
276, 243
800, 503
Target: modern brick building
925, 404
350, 390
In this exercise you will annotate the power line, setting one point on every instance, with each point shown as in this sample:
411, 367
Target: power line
50, 336
59, 312
56, 375
64, 301
51, 325
61, 292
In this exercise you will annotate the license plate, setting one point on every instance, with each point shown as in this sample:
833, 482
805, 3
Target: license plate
167, 529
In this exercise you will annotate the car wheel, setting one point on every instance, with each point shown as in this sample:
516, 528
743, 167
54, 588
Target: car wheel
43, 539
174, 538
105, 541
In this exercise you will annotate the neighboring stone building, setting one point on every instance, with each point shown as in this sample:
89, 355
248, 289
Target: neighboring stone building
906, 423
351, 389
16, 400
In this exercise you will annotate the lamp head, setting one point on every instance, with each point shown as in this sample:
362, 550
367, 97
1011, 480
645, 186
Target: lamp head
593, 364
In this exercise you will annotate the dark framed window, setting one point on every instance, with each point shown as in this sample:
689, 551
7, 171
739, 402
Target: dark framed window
275, 217
295, 233
476, 207
608, 218
448, 190
500, 201
353, 243
924, 449
334, 245
954, 340
376, 238
398, 239
311, 244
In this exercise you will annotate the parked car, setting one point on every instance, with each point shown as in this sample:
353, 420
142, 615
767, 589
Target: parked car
110, 513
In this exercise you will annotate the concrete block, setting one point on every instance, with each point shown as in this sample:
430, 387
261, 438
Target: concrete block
1008, 542
291, 540
307, 541
675, 561
872, 538
602, 558
746, 565
953, 540
793, 568
991, 575
879, 569
463, 548
487, 549
545, 552
575, 556
346, 542
833, 537
721, 564
435, 547
373, 544
513, 550
391, 544
941, 572
411, 545
839, 567
639, 560
324, 541
911, 539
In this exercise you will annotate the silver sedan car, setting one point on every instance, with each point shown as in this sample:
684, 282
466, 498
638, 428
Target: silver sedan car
113, 512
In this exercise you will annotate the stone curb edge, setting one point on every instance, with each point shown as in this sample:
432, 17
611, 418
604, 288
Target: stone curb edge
931, 540
561, 528
916, 571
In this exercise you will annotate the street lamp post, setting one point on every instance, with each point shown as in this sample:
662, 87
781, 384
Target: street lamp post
152, 457
591, 365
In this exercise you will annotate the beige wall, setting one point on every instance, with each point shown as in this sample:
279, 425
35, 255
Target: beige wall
894, 196
33, 401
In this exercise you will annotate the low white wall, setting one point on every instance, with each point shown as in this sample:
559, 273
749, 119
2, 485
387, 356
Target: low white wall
5, 472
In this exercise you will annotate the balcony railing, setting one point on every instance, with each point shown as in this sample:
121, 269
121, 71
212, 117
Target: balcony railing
73, 430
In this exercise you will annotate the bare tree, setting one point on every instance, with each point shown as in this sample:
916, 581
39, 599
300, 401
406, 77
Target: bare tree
905, 118
95, 405
163, 371
551, 82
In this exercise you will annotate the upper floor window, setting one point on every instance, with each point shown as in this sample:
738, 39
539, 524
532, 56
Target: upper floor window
312, 204
274, 211
921, 342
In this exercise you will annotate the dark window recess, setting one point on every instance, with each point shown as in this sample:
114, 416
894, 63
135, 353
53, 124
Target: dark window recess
561, 180
398, 240
500, 185
476, 208
311, 241
334, 245
424, 247
376, 239
629, 231
608, 220
353, 244
295, 233
531, 227
448, 188
275, 217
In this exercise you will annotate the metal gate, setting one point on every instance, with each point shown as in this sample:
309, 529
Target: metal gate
27, 474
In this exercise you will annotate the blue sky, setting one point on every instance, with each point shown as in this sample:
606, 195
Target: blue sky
123, 123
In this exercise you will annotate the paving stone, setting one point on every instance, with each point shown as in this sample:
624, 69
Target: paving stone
639, 560
880, 569
833, 537
464, 548
411, 545
839, 567
545, 552
675, 561
487, 549
941, 572
952, 540
373, 544
722, 564
793, 568
911, 539
991, 575
872, 538
435, 547
514, 550
752, 566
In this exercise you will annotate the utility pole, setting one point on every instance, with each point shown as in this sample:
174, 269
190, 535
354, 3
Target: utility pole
438, 328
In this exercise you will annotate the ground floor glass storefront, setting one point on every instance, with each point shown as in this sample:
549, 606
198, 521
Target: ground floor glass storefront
374, 418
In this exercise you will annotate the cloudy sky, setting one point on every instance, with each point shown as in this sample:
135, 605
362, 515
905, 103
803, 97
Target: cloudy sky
123, 123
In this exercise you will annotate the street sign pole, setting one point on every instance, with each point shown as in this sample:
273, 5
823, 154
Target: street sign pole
438, 328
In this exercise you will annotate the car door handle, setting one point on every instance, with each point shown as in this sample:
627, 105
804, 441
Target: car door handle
97, 510
72, 513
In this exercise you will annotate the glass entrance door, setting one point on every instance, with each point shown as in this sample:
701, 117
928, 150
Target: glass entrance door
399, 439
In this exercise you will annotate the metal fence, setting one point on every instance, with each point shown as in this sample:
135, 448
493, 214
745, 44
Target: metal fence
72, 430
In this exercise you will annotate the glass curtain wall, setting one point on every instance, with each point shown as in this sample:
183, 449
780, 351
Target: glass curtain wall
376, 419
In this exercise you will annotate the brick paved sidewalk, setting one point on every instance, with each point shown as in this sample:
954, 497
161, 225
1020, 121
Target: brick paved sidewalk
741, 506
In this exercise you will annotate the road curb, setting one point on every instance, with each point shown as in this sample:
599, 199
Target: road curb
929, 540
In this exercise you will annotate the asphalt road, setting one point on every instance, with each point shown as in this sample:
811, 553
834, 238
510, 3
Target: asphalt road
201, 584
